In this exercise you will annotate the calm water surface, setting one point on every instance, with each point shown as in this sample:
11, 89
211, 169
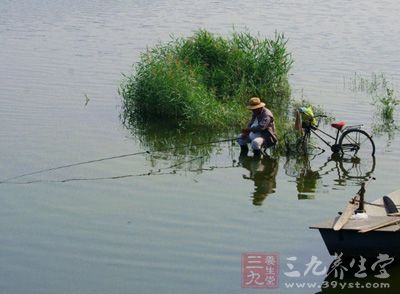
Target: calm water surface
182, 229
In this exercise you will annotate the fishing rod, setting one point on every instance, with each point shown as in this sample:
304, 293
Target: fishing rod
109, 158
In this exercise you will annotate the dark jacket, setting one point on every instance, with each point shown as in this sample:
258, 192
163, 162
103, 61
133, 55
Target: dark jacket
266, 125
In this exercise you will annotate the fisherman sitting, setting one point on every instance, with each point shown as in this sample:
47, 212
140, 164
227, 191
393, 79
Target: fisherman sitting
260, 131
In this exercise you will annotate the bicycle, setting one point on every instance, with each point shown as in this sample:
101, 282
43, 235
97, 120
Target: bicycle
351, 141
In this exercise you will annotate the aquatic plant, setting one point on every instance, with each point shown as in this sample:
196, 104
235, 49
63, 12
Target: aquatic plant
201, 85
206, 80
372, 85
386, 105
381, 91
385, 123
388, 128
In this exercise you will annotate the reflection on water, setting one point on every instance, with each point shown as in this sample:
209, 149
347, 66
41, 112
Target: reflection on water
309, 178
354, 169
179, 145
175, 142
263, 173
171, 150
387, 128
189, 150
306, 178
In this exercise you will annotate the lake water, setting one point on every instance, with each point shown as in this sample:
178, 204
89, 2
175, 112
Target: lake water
104, 227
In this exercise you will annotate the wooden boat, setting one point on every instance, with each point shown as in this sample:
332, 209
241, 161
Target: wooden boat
379, 233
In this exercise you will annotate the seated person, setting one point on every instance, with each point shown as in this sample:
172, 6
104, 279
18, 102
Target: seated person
259, 131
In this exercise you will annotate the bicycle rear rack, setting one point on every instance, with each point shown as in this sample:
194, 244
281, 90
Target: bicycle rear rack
355, 127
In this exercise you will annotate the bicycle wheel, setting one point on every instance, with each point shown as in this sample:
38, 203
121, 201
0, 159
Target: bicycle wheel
356, 143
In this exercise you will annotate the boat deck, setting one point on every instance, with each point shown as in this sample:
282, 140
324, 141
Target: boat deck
361, 224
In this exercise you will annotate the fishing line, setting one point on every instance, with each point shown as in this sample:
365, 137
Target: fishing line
109, 158
71, 165
213, 167
150, 173
87, 179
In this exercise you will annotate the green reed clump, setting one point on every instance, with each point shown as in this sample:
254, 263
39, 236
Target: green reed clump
206, 80
387, 104
385, 122
381, 90
370, 85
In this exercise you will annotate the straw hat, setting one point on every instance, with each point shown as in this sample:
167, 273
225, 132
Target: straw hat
255, 103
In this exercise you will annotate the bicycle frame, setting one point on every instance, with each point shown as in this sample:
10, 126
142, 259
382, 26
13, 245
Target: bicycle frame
308, 130
311, 129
